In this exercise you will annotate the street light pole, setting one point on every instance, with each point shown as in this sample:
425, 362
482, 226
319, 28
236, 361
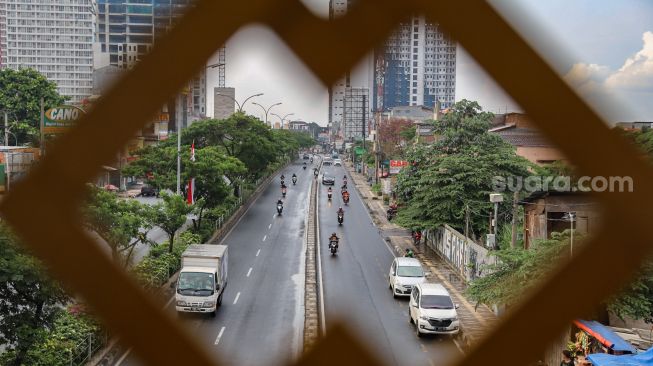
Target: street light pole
240, 105
266, 110
283, 119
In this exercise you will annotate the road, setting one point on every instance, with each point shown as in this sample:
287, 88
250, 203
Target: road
356, 285
261, 318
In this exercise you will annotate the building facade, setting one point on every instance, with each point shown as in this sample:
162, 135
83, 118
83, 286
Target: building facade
54, 37
224, 103
127, 30
416, 66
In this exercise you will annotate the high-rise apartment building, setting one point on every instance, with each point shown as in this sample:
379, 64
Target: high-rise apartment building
416, 66
128, 29
54, 37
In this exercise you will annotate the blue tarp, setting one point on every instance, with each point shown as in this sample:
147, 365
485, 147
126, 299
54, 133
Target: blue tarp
604, 359
617, 343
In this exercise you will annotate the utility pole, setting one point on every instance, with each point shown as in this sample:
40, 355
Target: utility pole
466, 221
7, 130
515, 198
42, 123
571, 220
179, 126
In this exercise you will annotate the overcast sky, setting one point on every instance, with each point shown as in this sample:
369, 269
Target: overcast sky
603, 48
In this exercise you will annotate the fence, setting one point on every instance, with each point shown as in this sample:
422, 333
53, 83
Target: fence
85, 349
53, 189
464, 255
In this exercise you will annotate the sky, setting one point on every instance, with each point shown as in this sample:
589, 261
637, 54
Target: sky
603, 48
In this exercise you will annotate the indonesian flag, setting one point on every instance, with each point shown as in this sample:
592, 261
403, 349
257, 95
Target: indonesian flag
192, 151
190, 192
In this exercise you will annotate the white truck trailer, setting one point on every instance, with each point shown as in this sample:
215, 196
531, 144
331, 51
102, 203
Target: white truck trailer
202, 279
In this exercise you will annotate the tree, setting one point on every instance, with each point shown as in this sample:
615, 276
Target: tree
452, 179
20, 96
122, 224
29, 299
243, 137
394, 133
170, 215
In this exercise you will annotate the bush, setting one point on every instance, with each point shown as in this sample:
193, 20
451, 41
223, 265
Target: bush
157, 267
66, 341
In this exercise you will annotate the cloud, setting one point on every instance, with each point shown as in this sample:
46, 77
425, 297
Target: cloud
610, 90
637, 72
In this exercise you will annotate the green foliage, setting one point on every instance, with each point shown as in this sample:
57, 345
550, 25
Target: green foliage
120, 223
20, 96
518, 270
455, 175
170, 216
29, 299
157, 267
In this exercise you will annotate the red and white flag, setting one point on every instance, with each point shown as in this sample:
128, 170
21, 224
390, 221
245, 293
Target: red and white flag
190, 192
192, 151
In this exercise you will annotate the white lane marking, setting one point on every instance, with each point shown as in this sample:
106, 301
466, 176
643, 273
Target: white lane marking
217, 340
169, 301
249, 272
259, 252
460, 348
265, 237
237, 296
119, 362
275, 215
269, 226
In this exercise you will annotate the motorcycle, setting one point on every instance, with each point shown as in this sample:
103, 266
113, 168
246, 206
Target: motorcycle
341, 218
329, 195
279, 208
304, 167
294, 180
283, 192
333, 246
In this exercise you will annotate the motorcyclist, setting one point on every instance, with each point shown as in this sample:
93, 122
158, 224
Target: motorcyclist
341, 212
283, 177
294, 175
335, 238
345, 196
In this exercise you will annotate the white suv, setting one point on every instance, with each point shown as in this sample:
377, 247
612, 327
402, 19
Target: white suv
404, 274
432, 311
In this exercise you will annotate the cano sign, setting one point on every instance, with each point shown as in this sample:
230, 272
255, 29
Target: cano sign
60, 119
396, 165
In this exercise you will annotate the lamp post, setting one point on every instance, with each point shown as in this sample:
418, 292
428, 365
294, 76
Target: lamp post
240, 105
266, 110
283, 118
571, 216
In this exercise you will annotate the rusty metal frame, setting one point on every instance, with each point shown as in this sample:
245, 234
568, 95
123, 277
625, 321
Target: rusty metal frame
43, 208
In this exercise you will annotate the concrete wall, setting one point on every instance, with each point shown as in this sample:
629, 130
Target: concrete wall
467, 257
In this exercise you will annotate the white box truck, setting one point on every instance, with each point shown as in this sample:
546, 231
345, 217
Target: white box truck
202, 279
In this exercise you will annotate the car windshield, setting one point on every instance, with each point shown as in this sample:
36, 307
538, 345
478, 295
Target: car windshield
195, 284
436, 302
410, 271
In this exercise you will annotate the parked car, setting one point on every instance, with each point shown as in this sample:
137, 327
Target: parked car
337, 162
404, 274
149, 191
328, 180
432, 310
305, 157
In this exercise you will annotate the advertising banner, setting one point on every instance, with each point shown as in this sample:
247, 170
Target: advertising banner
60, 119
397, 165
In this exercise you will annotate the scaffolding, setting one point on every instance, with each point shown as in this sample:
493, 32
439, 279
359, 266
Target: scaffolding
356, 113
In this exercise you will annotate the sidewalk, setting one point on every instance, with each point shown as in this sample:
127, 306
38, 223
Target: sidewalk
475, 320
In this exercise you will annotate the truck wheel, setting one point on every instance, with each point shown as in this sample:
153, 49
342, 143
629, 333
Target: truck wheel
219, 300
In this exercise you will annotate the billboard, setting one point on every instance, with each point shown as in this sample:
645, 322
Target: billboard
397, 165
60, 119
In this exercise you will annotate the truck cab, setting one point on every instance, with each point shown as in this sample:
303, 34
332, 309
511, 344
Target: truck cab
202, 279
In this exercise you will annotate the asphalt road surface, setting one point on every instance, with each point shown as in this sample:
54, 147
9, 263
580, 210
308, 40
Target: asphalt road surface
261, 318
356, 285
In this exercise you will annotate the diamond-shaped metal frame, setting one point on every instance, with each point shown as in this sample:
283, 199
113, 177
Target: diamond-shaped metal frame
43, 209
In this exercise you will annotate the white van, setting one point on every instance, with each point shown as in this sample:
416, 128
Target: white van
404, 274
432, 311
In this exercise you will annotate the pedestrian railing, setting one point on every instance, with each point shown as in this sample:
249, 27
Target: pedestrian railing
329, 49
84, 350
